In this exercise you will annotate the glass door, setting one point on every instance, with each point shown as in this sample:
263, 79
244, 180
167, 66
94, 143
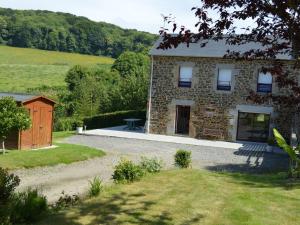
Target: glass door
253, 127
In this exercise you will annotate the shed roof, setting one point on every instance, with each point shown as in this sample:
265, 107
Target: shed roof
22, 97
214, 49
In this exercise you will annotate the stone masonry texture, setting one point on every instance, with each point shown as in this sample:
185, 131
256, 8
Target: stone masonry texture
211, 110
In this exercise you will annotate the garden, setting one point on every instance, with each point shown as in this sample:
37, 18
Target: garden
143, 193
61, 154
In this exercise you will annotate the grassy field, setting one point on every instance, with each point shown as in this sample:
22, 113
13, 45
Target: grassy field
57, 136
64, 153
23, 68
191, 197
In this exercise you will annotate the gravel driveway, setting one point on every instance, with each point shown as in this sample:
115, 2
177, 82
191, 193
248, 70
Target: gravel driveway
73, 178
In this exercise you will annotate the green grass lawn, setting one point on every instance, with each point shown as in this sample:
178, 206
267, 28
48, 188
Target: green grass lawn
191, 197
23, 68
62, 134
64, 153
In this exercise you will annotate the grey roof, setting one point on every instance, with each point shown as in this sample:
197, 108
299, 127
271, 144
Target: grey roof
214, 49
18, 97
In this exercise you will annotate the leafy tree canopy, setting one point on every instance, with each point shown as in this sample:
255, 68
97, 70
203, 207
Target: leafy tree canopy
12, 117
276, 26
93, 90
65, 32
131, 63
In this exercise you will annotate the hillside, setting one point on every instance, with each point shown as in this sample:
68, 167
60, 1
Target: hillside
22, 68
68, 33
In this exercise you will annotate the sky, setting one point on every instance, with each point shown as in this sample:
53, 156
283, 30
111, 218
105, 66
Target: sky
144, 15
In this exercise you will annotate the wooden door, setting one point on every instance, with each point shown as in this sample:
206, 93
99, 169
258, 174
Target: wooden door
26, 136
45, 126
35, 127
182, 119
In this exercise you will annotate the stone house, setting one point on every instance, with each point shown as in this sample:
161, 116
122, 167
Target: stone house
195, 92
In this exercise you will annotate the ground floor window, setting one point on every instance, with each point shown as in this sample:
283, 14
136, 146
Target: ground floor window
253, 127
182, 119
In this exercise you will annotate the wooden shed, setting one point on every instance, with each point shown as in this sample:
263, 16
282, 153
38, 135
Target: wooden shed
39, 135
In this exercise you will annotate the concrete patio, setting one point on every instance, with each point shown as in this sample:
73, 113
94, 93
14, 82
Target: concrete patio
139, 134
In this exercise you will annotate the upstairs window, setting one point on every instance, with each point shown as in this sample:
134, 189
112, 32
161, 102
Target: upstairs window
185, 76
264, 83
224, 80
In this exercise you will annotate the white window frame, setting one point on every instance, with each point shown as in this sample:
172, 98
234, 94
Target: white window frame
224, 87
264, 82
185, 82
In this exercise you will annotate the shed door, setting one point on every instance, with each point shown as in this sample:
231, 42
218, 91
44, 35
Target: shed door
45, 127
35, 127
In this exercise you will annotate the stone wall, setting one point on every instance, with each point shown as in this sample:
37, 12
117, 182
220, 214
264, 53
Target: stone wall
213, 112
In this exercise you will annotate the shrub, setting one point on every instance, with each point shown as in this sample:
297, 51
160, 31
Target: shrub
65, 201
153, 165
114, 119
64, 124
78, 123
126, 171
95, 187
28, 206
8, 184
183, 159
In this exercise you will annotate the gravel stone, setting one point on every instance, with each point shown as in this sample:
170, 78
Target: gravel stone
74, 178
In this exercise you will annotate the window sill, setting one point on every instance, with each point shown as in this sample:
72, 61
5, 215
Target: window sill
223, 91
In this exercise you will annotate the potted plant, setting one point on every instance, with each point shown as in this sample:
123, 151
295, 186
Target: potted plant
79, 126
271, 144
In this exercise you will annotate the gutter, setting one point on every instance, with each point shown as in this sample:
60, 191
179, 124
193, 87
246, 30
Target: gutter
150, 97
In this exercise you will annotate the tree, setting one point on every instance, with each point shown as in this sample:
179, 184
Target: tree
134, 92
89, 96
134, 69
12, 117
75, 75
91, 91
276, 27
130, 63
3, 29
71, 43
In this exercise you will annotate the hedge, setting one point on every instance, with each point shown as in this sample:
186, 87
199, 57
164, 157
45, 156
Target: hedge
114, 119
65, 124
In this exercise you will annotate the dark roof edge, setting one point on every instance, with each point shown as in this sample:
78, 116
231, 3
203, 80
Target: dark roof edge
39, 96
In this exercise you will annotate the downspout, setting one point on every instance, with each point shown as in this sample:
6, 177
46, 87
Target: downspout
150, 98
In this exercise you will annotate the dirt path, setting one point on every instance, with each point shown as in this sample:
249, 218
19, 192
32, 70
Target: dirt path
74, 178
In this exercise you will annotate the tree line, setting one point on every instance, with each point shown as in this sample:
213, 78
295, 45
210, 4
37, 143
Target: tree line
69, 33
94, 90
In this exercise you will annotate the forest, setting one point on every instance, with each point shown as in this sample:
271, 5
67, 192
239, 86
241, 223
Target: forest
65, 32
94, 91
115, 86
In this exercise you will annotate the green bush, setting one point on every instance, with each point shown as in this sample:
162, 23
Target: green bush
126, 172
28, 206
67, 124
114, 119
151, 165
183, 159
8, 184
95, 187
